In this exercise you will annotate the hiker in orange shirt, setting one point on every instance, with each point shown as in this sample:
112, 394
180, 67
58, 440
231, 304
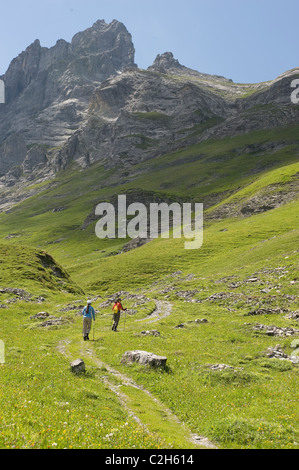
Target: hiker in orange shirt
117, 307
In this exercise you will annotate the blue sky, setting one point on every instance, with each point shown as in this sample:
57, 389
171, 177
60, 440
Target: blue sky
247, 41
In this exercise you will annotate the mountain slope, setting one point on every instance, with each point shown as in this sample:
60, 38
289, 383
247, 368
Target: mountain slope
86, 101
26, 267
48, 90
99, 127
228, 176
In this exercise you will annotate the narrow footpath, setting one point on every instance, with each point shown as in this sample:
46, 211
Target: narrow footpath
148, 411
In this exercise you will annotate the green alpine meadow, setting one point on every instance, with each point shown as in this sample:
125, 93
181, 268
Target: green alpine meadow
221, 321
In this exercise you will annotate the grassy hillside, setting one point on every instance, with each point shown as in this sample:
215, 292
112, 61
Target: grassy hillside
228, 246
217, 310
25, 267
212, 172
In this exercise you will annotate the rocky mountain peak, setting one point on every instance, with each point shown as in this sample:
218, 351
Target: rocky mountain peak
86, 101
96, 53
165, 63
47, 90
22, 70
102, 38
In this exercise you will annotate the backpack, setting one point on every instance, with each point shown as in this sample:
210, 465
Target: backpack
115, 308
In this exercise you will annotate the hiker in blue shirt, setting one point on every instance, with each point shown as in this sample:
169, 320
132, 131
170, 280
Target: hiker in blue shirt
88, 315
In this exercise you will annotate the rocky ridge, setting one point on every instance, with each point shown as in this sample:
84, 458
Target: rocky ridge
87, 101
48, 91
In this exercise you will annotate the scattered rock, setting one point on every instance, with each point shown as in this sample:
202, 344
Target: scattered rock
295, 343
139, 299
276, 352
295, 356
131, 311
77, 366
203, 441
220, 367
275, 330
106, 304
72, 307
220, 296
135, 243
144, 358
186, 294
12, 235
150, 333
59, 209
198, 320
267, 311
293, 315
20, 293
40, 316
52, 321
235, 285
167, 290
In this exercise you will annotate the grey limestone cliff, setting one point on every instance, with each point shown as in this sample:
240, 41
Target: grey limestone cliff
48, 90
87, 101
